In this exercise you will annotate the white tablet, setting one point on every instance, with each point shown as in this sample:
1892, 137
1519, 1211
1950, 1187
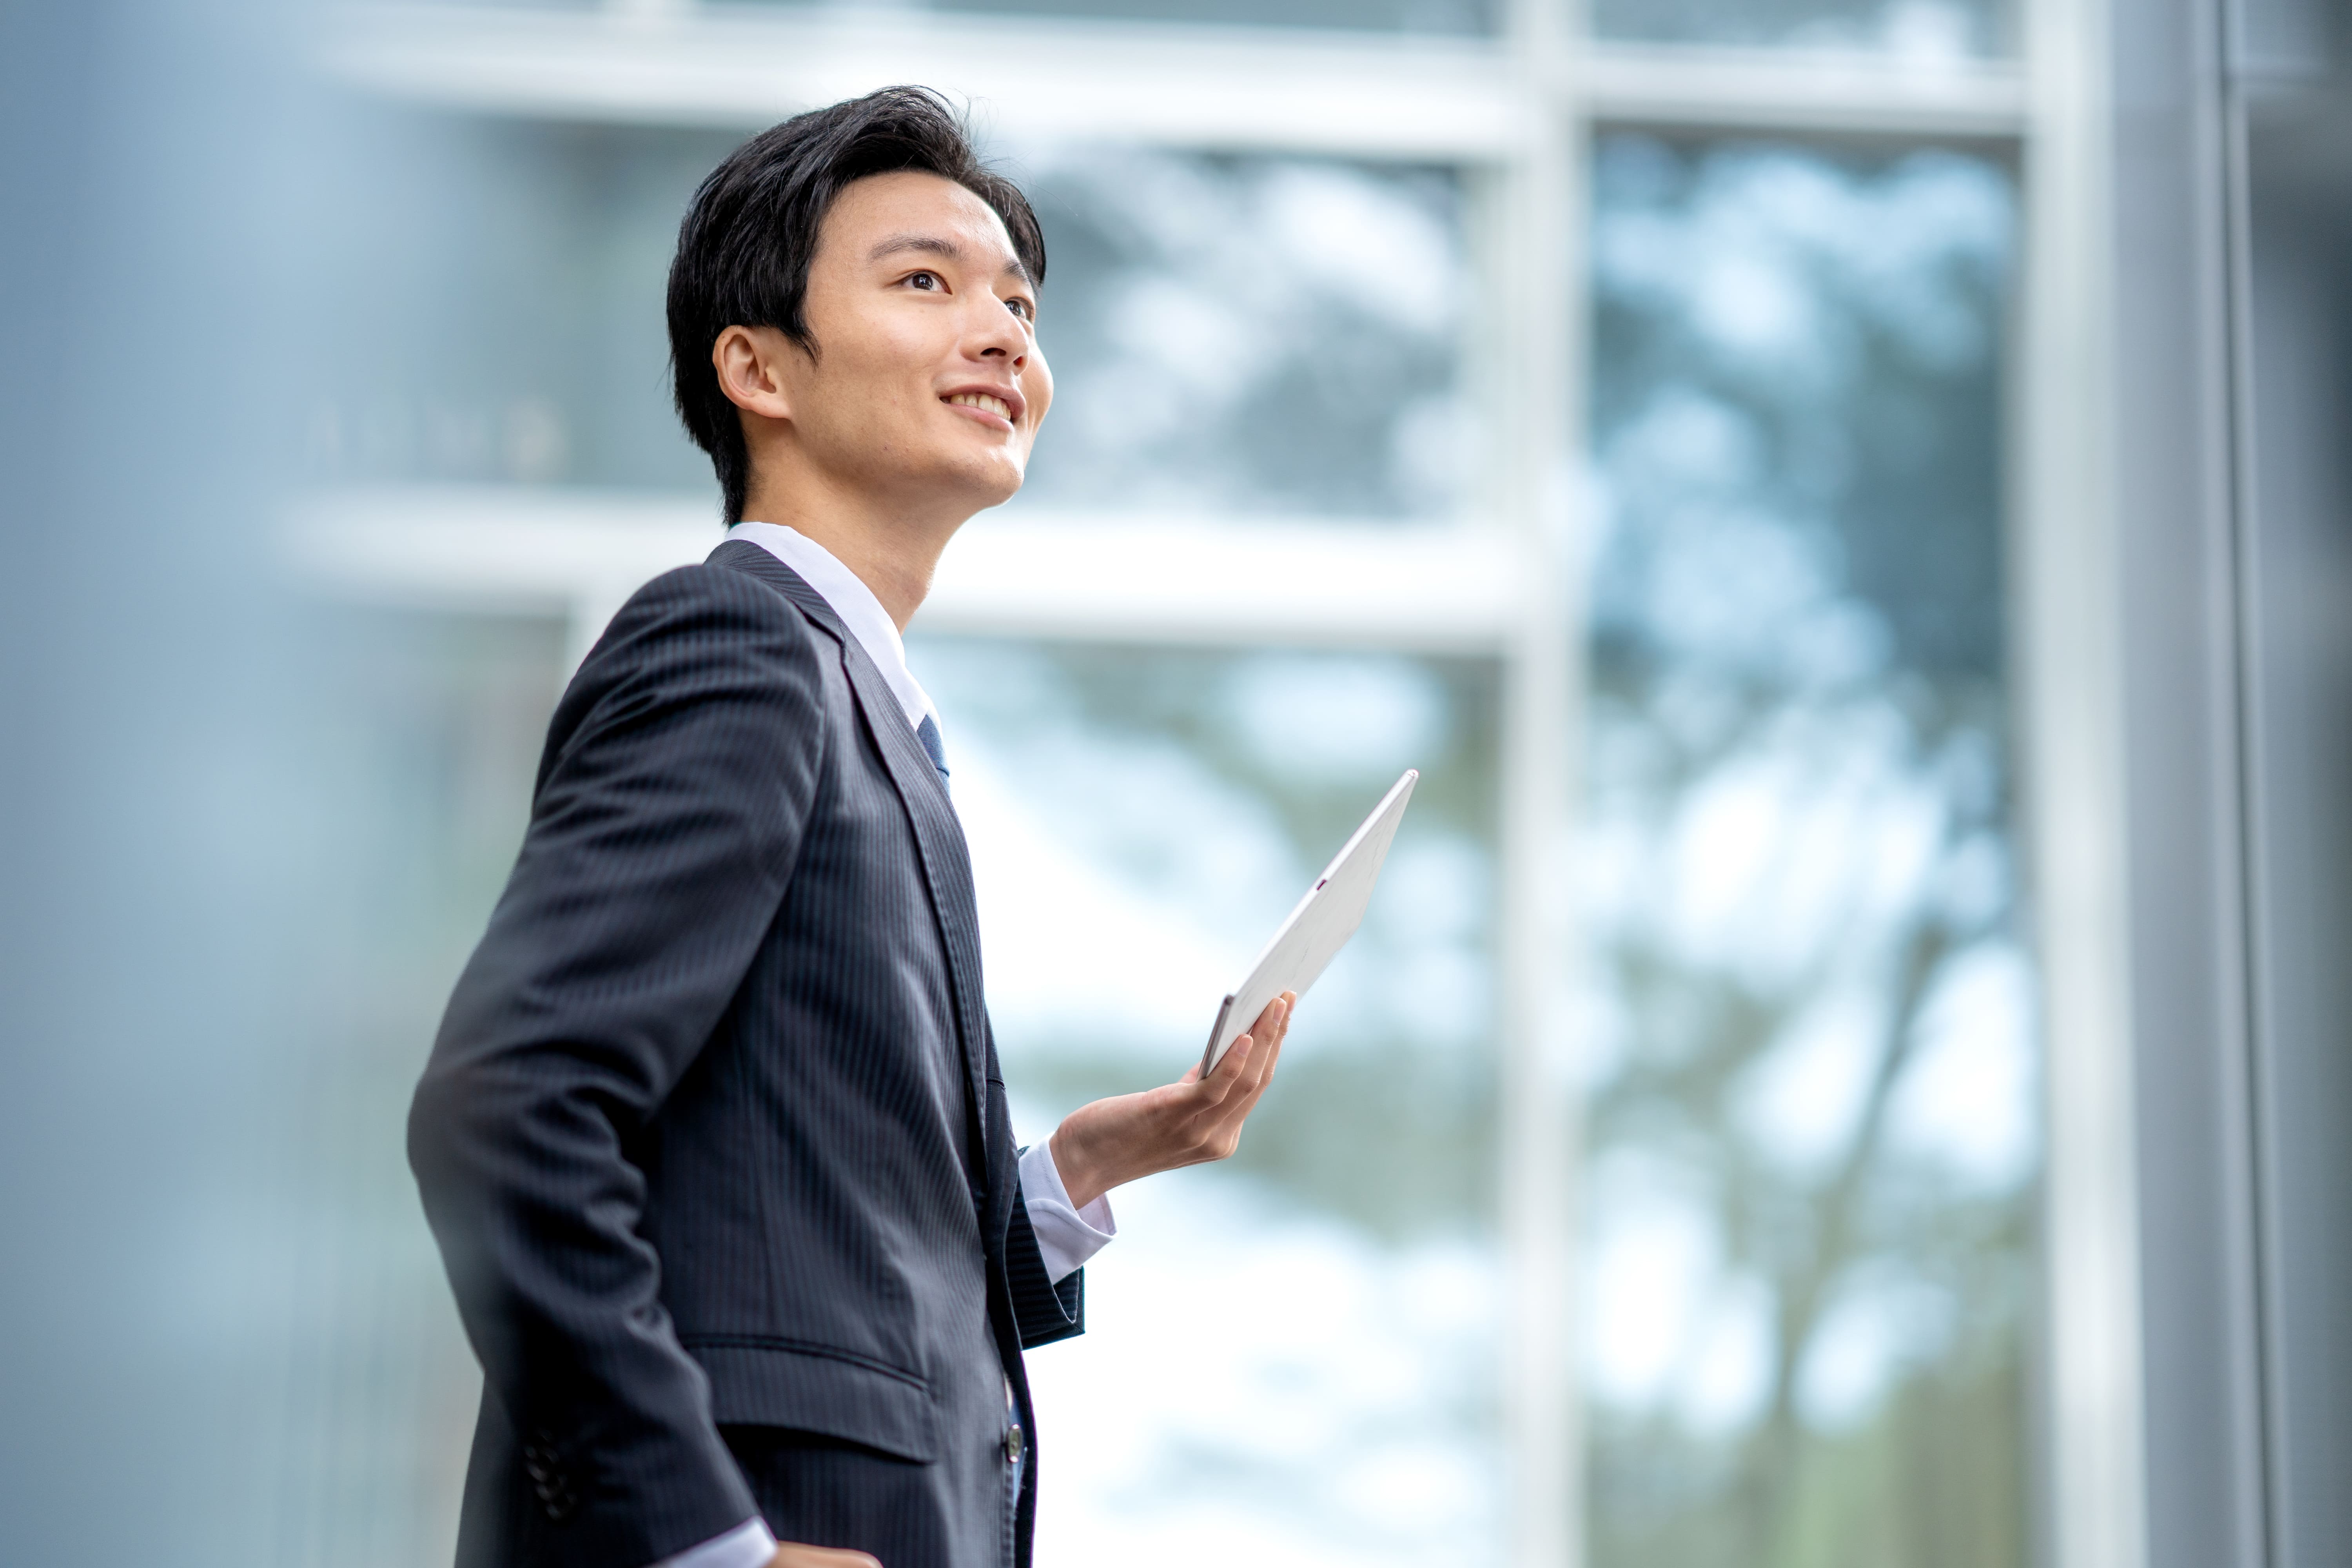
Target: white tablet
1319, 927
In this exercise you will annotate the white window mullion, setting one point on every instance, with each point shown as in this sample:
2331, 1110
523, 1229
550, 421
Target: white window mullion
1535, 291
2069, 635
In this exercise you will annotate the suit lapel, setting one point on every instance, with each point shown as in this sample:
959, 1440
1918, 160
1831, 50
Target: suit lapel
939, 835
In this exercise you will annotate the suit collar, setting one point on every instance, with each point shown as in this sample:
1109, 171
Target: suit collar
939, 835
910, 767
852, 602
742, 555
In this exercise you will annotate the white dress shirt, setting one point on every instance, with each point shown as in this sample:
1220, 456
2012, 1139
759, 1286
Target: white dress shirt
1067, 1235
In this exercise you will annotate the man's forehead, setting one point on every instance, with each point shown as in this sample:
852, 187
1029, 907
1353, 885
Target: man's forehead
880, 214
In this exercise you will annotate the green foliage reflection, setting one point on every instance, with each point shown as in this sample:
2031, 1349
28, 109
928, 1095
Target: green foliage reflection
1812, 1130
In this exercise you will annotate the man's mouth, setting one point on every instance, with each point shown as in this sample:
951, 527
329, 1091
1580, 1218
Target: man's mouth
981, 400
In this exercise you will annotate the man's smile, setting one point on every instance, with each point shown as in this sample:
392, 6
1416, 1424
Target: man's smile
1003, 403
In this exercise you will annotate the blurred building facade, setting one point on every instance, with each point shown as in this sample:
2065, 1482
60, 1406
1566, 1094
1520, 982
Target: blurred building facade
1670, 426
1609, 412
1843, 500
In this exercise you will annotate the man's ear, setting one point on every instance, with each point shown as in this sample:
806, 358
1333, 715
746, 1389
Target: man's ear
749, 362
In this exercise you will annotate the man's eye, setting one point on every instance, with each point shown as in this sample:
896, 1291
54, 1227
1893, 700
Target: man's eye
1023, 309
924, 280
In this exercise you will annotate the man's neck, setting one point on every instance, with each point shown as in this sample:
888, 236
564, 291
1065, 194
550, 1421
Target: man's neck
892, 549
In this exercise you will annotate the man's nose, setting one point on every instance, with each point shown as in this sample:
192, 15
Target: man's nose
998, 336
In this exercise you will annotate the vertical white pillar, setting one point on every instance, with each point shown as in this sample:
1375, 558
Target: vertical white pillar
1538, 290
2070, 638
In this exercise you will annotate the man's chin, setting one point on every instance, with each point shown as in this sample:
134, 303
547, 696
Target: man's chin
990, 484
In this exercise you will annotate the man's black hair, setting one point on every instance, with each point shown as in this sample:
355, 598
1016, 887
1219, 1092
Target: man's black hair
751, 232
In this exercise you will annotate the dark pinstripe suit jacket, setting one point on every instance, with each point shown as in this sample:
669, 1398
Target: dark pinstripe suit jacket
714, 1133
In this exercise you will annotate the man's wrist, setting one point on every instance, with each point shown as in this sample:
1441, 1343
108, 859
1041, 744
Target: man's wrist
1081, 1179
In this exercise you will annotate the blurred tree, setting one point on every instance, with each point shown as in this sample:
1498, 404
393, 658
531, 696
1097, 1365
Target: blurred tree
1812, 1050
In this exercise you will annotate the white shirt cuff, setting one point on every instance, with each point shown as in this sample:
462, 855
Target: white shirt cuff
1066, 1235
749, 1546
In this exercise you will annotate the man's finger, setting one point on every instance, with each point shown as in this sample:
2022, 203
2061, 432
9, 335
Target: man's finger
1259, 1071
1275, 1035
1257, 1091
1229, 1066
1281, 1025
1273, 1057
1233, 1108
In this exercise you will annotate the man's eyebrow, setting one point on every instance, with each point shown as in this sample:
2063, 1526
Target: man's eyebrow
927, 244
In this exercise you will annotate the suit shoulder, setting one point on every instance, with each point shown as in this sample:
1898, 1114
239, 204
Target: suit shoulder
692, 637
710, 610
719, 587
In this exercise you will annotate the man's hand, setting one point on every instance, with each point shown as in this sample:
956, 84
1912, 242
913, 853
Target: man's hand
792, 1554
1188, 1122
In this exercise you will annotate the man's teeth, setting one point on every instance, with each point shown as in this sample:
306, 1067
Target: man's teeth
996, 405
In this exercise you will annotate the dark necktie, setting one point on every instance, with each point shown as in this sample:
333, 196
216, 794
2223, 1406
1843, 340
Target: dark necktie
927, 733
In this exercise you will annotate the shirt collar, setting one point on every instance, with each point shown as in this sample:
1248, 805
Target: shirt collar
850, 599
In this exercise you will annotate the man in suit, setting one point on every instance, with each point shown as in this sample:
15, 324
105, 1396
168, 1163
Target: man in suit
714, 1138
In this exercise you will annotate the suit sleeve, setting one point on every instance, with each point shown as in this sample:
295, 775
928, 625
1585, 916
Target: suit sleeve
679, 774
1044, 1309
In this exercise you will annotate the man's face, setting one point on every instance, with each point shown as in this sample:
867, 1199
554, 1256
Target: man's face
926, 382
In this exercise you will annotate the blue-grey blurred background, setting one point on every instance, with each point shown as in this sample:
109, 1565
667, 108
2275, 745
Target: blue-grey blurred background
1844, 500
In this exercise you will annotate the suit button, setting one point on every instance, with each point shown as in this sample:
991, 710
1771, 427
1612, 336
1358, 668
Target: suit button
1013, 1445
549, 1482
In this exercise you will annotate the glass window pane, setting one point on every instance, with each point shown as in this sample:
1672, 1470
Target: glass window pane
1251, 333
1288, 1357
2295, 536
1814, 1122
501, 281
1919, 29
420, 735
1237, 335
